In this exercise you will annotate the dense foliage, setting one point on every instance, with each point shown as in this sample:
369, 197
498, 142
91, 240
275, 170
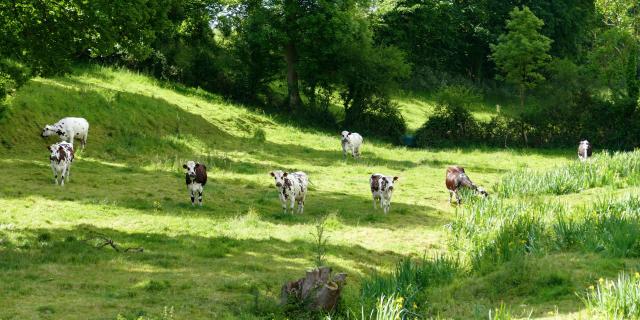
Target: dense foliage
341, 61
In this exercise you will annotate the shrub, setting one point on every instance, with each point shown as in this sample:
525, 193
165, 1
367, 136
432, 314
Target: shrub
380, 118
12, 75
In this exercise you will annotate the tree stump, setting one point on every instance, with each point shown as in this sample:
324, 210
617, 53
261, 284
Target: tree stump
316, 290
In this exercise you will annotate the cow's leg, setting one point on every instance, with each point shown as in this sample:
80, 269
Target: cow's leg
450, 196
344, 152
357, 152
374, 202
293, 204
200, 198
62, 174
458, 199
301, 204
55, 175
83, 142
68, 170
193, 198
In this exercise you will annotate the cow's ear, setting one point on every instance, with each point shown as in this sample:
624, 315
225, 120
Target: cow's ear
197, 164
285, 174
395, 179
184, 166
272, 174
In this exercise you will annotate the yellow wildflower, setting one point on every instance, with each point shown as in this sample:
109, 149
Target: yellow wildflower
592, 288
601, 280
415, 306
550, 313
637, 275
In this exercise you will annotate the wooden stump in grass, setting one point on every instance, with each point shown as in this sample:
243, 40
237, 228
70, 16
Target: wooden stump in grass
317, 290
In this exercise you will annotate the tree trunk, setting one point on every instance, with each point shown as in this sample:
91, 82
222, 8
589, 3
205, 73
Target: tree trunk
316, 289
292, 76
521, 97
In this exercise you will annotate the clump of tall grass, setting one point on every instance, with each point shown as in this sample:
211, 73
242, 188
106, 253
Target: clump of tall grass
614, 299
609, 225
410, 279
619, 169
491, 232
387, 308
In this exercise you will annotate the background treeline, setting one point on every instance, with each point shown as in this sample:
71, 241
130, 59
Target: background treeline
572, 66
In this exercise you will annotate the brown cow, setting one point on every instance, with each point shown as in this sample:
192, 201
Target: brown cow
456, 178
196, 179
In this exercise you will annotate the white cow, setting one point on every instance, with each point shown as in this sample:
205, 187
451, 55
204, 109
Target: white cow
292, 188
382, 189
69, 129
351, 142
61, 158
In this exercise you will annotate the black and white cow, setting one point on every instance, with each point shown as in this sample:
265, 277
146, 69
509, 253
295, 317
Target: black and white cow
351, 142
382, 190
292, 188
196, 178
61, 158
584, 150
69, 129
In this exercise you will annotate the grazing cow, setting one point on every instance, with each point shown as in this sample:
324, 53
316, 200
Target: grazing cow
382, 189
196, 178
456, 179
351, 142
69, 129
61, 158
584, 150
292, 188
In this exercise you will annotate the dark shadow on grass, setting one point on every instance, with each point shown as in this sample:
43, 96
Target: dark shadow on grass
164, 193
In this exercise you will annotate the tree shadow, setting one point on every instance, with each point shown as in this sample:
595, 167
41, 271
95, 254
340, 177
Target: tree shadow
131, 187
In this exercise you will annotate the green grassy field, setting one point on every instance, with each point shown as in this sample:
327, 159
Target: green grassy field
229, 258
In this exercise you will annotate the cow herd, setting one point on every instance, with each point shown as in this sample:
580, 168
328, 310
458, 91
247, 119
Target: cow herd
292, 187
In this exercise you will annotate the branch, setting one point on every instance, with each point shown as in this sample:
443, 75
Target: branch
106, 241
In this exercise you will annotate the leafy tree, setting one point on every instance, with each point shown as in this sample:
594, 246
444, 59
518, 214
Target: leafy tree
522, 52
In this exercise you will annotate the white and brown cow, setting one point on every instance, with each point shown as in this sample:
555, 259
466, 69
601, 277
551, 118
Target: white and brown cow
68, 129
61, 158
584, 150
196, 178
351, 142
382, 190
457, 179
292, 188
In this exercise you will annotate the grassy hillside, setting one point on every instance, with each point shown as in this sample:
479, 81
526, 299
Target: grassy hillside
229, 258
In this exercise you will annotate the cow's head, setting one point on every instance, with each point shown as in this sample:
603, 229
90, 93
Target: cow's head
344, 135
50, 130
279, 176
585, 142
482, 192
388, 182
191, 166
56, 152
